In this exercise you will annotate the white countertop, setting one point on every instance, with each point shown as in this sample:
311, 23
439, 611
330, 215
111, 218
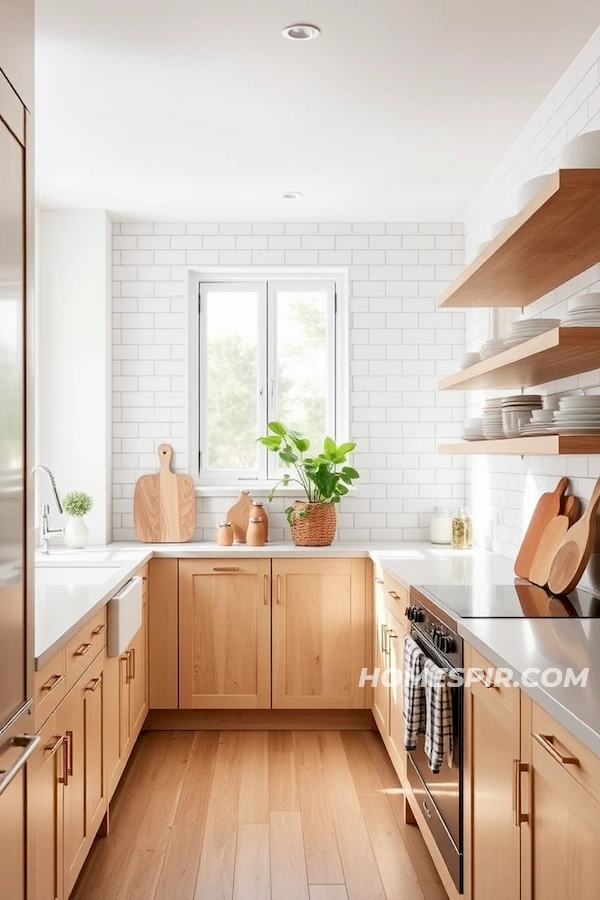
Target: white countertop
519, 644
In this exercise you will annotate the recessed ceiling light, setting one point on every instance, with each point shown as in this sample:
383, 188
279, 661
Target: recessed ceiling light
301, 32
292, 195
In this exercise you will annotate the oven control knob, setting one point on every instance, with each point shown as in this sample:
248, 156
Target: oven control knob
417, 614
447, 644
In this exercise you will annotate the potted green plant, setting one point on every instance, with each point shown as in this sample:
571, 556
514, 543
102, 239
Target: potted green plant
324, 478
76, 504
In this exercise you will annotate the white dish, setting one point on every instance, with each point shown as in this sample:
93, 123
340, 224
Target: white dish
583, 402
583, 152
529, 189
499, 226
585, 301
593, 323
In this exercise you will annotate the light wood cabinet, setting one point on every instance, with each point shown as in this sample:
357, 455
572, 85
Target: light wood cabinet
224, 634
395, 644
12, 839
81, 718
388, 651
491, 776
321, 634
163, 633
380, 696
127, 703
47, 775
562, 807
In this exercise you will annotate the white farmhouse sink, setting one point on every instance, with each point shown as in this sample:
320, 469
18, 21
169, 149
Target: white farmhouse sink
67, 575
124, 616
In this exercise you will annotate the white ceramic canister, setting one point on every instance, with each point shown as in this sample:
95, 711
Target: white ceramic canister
440, 529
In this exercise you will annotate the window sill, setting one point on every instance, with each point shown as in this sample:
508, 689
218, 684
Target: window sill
256, 489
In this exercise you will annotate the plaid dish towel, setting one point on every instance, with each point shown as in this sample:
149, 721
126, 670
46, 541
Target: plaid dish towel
439, 740
413, 710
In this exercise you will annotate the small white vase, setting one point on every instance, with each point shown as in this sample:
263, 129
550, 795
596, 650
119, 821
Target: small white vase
76, 533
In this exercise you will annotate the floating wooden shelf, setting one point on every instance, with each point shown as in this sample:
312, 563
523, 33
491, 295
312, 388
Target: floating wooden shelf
554, 238
556, 354
542, 445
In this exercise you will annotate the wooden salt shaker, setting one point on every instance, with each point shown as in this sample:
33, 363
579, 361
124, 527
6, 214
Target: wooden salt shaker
258, 511
255, 536
225, 534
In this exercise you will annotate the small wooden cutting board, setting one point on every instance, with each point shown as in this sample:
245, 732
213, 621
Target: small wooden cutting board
546, 551
575, 550
571, 508
548, 508
164, 505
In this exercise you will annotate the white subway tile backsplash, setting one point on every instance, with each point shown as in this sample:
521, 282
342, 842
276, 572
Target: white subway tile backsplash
394, 416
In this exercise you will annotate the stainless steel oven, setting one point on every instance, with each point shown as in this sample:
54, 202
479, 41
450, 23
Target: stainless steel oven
440, 795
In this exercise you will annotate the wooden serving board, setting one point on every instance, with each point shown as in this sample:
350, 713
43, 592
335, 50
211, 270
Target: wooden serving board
571, 508
548, 507
164, 505
575, 550
546, 551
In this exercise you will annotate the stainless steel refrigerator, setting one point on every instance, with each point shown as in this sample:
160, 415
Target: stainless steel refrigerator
16, 583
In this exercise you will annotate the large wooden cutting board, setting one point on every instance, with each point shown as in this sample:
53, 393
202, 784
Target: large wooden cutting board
575, 550
550, 542
548, 508
164, 505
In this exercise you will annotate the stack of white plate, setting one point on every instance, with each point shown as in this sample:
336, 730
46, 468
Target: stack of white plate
492, 419
473, 430
491, 348
578, 415
542, 422
516, 412
525, 329
584, 311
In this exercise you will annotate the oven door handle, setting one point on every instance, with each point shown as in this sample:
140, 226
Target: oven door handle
28, 743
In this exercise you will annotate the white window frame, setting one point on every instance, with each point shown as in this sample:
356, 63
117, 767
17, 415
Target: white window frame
217, 483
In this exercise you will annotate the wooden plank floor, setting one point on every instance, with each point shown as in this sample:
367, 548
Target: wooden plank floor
301, 815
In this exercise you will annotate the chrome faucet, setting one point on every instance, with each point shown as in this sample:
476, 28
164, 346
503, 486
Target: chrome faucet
45, 531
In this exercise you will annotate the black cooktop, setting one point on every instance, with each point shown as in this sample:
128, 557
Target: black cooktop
510, 601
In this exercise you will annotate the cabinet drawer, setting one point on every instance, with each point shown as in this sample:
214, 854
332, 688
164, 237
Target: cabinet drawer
396, 598
49, 688
500, 697
82, 649
567, 752
221, 566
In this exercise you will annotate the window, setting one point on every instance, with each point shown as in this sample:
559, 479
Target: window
267, 349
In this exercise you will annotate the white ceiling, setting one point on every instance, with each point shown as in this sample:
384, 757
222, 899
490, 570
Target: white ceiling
200, 109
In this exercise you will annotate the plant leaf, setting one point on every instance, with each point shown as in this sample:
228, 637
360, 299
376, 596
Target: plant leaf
344, 449
278, 428
350, 472
271, 442
301, 444
288, 457
330, 447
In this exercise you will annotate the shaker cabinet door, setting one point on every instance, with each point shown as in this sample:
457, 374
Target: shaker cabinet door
224, 634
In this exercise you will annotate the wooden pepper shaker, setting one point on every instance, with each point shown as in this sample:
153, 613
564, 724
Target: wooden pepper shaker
255, 536
258, 511
238, 515
225, 534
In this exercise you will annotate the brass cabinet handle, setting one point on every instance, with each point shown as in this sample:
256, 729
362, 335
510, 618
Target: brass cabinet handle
52, 682
69, 742
125, 659
391, 634
378, 580
64, 778
278, 589
98, 630
384, 647
226, 568
547, 742
518, 768
480, 676
94, 684
54, 744
266, 590
81, 651
133, 666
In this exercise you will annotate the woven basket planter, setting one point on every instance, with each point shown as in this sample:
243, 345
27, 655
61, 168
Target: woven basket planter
317, 528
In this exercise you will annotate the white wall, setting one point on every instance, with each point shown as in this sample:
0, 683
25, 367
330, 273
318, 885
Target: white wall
400, 346
504, 489
73, 357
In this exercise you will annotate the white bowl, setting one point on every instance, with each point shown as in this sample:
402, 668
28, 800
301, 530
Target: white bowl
497, 227
585, 302
529, 189
542, 415
583, 152
590, 402
469, 359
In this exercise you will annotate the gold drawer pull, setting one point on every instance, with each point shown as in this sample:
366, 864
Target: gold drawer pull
392, 634
226, 568
98, 630
547, 742
132, 657
378, 580
279, 590
52, 682
81, 651
266, 591
394, 595
94, 684
518, 768
479, 675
